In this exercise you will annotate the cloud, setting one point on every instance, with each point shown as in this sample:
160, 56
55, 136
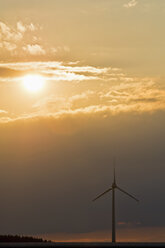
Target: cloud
60, 49
23, 39
57, 71
2, 112
51, 104
137, 97
34, 49
4, 116
6, 73
13, 39
9, 34
8, 46
32, 27
131, 4
9, 37
40, 155
86, 90
21, 27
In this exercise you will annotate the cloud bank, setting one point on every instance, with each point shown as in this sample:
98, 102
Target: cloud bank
83, 89
24, 39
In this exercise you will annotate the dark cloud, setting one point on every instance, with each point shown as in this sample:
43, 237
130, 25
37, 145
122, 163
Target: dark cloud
9, 73
52, 168
147, 100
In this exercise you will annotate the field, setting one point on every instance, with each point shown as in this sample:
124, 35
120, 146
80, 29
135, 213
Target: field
74, 245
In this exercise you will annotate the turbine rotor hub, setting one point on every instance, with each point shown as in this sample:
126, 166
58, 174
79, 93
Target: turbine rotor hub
114, 185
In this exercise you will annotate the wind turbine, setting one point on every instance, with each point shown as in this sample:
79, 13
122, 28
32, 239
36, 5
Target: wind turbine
113, 188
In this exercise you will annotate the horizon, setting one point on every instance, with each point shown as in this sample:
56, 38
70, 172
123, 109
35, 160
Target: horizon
82, 81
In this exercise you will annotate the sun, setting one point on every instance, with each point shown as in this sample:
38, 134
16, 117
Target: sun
33, 83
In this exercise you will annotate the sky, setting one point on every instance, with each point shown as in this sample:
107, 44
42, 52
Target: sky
82, 81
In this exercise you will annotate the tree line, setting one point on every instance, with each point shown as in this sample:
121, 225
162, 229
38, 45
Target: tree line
17, 238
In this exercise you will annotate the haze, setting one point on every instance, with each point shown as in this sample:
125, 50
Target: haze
102, 62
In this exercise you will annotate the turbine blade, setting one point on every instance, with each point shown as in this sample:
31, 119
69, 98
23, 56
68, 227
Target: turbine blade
127, 194
114, 170
102, 194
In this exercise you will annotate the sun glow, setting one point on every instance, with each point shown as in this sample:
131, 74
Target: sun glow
33, 83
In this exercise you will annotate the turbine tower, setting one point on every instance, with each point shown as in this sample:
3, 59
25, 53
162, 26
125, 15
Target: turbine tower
113, 188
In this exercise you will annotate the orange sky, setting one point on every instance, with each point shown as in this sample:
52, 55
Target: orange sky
81, 82
142, 234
